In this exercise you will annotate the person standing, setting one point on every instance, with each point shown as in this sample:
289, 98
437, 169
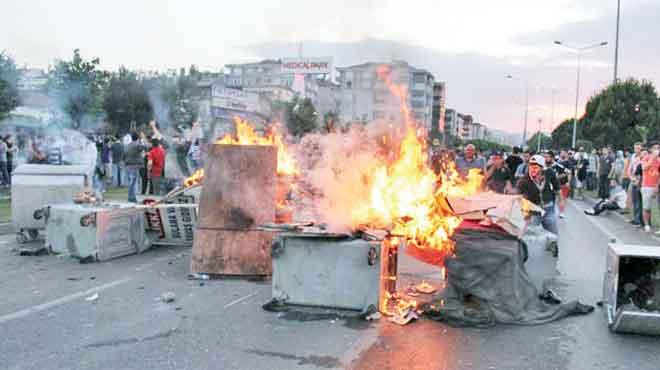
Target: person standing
581, 174
618, 166
540, 186
521, 171
4, 174
592, 170
470, 161
133, 160
105, 160
514, 160
155, 167
563, 176
634, 173
498, 176
117, 151
650, 177
605, 170
195, 155
12, 149
144, 176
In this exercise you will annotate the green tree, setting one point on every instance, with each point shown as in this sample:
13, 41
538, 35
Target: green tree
172, 97
78, 87
622, 113
562, 135
9, 75
126, 101
330, 121
483, 145
533, 142
300, 115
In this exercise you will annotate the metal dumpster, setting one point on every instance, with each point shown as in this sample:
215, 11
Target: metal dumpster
34, 186
327, 270
631, 289
95, 232
172, 222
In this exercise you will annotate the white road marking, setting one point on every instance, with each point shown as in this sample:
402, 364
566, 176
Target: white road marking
60, 301
241, 299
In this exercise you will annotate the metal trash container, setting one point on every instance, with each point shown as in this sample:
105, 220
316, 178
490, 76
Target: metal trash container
328, 270
95, 232
34, 186
172, 222
631, 289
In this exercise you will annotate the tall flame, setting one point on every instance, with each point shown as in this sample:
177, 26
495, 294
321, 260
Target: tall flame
245, 135
408, 197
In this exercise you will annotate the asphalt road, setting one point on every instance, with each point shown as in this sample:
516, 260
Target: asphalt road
47, 323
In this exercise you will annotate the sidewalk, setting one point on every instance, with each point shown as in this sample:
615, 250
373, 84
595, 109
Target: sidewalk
619, 217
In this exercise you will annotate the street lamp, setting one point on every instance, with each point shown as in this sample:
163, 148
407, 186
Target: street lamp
579, 51
524, 140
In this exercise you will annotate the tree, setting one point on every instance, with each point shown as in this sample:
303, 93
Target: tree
623, 113
299, 114
172, 97
78, 87
330, 121
562, 135
533, 142
485, 145
9, 75
126, 101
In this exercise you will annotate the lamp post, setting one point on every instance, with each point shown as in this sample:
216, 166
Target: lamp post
524, 138
616, 46
579, 51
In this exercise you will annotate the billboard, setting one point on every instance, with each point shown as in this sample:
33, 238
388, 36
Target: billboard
222, 97
321, 65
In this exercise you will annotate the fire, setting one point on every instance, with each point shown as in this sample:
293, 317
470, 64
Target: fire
245, 135
194, 179
407, 197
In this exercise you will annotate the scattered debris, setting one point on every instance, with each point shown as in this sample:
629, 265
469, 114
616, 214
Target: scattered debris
425, 288
374, 316
405, 317
199, 276
74, 279
178, 308
92, 298
92, 278
167, 297
26, 251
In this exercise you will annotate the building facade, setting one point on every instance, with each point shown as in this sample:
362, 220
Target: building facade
366, 97
438, 109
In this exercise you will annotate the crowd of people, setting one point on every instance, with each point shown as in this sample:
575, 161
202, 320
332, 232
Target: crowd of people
621, 181
137, 161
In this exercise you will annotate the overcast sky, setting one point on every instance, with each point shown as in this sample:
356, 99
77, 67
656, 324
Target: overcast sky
470, 44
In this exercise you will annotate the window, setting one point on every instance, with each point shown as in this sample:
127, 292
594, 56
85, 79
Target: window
417, 104
417, 93
349, 84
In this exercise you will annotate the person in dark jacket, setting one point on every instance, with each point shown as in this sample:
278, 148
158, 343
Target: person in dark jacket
133, 160
117, 152
541, 187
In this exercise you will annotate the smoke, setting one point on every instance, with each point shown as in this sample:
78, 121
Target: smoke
339, 168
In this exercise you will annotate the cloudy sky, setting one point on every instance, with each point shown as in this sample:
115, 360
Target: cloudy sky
470, 44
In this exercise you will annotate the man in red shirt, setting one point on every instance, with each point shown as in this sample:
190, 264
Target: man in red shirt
650, 178
155, 166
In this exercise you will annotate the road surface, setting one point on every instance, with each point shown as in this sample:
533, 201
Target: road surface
47, 323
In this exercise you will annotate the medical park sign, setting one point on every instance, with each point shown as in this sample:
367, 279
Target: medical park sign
321, 65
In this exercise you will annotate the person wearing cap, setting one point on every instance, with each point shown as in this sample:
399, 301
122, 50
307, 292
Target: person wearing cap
563, 174
469, 161
498, 176
540, 186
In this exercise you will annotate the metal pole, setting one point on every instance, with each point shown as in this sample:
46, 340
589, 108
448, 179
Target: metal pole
526, 113
616, 47
577, 97
538, 149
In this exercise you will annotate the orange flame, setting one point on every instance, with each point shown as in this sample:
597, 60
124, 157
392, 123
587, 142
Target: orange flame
194, 179
407, 197
245, 135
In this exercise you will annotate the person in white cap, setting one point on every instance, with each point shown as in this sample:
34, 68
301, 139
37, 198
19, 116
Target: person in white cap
540, 187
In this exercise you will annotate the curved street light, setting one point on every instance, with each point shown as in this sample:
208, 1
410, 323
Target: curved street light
579, 51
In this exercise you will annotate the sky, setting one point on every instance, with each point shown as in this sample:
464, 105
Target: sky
471, 44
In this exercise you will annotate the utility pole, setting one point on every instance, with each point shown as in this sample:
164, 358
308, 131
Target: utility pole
616, 47
538, 148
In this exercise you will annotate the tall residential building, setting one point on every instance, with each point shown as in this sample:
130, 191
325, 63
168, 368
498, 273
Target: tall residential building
439, 106
329, 98
366, 97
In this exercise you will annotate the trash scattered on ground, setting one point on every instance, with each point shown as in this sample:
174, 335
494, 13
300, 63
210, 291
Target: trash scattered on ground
425, 288
74, 279
178, 309
374, 316
550, 297
198, 276
40, 251
405, 317
167, 297
92, 298
92, 278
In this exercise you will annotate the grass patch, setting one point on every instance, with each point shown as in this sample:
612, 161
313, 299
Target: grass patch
116, 194
5, 210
